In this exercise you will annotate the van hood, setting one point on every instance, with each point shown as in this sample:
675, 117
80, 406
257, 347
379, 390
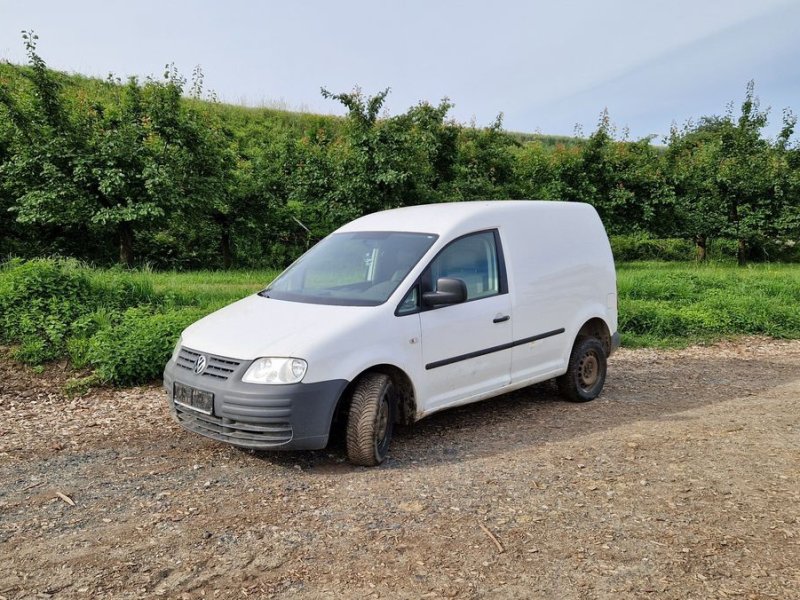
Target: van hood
257, 326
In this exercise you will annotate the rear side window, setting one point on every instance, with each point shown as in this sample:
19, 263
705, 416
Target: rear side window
472, 259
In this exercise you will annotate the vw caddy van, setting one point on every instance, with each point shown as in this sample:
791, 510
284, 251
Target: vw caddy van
400, 314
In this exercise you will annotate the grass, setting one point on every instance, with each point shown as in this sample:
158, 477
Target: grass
206, 289
122, 325
661, 304
677, 304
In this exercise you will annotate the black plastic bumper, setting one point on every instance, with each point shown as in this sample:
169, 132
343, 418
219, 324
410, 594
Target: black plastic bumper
263, 417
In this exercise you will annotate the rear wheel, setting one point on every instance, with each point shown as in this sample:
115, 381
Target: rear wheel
586, 372
370, 422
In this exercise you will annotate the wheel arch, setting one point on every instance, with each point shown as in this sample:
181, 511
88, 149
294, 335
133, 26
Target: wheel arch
593, 320
406, 412
595, 327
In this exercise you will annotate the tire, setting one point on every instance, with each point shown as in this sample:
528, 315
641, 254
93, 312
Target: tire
586, 372
370, 422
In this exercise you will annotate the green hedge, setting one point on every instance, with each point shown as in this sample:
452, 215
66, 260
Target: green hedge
109, 321
40, 300
137, 347
639, 247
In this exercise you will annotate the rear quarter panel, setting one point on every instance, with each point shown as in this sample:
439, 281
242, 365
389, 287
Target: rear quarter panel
561, 273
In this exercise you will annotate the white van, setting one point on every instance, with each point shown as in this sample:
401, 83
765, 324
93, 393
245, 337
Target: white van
400, 314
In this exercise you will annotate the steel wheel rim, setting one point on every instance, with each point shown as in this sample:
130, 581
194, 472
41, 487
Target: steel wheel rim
588, 370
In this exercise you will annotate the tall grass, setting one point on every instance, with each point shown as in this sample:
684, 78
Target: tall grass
123, 324
204, 289
674, 304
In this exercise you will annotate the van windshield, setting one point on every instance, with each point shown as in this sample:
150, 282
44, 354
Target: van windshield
353, 269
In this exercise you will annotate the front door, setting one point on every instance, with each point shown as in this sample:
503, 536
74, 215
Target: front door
466, 347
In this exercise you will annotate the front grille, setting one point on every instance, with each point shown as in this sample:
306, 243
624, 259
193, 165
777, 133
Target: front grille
217, 366
239, 433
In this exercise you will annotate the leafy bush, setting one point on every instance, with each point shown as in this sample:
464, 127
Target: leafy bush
638, 247
39, 300
722, 248
52, 308
113, 320
136, 349
82, 332
642, 247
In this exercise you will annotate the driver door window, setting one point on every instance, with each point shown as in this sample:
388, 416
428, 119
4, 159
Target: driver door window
473, 260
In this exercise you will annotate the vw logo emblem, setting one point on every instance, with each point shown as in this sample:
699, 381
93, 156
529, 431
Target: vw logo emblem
200, 364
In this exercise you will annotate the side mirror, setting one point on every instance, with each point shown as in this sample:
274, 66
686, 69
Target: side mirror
448, 291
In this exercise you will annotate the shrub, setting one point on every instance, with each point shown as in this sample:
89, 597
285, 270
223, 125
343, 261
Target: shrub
136, 349
642, 247
82, 332
39, 301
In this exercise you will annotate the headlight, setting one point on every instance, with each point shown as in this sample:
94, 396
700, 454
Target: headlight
177, 349
276, 370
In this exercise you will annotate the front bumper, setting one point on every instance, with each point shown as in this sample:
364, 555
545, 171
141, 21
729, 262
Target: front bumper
262, 417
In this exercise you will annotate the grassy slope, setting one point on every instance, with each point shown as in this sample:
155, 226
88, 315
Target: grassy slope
123, 325
239, 118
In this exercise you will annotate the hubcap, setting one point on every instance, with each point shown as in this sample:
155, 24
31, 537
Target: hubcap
588, 370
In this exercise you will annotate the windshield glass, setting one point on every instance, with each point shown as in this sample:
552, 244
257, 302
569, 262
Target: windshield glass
354, 269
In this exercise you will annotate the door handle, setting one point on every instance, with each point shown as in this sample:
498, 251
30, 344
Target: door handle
501, 319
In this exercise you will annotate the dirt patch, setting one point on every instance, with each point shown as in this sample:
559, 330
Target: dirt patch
680, 481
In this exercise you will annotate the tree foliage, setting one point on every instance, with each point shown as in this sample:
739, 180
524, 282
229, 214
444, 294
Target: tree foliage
114, 166
732, 182
153, 171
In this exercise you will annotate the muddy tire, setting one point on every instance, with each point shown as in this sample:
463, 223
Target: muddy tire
586, 372
370, 422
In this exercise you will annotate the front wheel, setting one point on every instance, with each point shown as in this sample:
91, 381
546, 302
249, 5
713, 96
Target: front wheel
586, 372
371, 420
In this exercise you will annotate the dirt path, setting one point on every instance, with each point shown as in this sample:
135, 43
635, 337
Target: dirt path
681, 481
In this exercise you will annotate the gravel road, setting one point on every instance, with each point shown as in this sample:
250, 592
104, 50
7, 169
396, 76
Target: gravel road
680, 481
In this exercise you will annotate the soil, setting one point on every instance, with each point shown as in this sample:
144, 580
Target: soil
680, 481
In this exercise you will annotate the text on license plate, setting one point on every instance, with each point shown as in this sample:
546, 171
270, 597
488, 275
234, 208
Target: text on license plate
193, 398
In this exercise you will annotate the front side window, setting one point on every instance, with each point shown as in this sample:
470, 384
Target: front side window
473, 260
354, 268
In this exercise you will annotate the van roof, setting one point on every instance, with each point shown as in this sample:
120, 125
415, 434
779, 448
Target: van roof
455, 218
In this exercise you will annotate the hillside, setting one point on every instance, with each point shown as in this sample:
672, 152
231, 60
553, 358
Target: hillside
237, 116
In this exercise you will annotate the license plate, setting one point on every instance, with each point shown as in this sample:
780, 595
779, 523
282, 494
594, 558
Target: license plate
193, 398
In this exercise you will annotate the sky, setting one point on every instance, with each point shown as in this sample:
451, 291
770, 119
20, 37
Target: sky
549, 67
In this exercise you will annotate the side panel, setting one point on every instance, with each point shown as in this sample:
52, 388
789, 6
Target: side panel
560, 267
383, 339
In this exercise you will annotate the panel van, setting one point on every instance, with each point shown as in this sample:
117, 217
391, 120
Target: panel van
400, 314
